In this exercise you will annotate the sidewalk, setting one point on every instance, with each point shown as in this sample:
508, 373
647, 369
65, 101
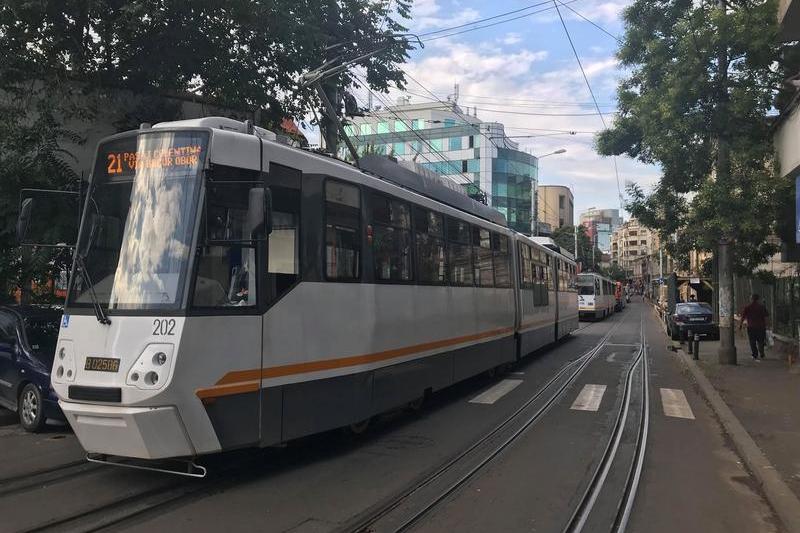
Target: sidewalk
764, 397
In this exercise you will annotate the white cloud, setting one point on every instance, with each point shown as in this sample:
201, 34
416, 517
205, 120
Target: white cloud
428, 15
511, 38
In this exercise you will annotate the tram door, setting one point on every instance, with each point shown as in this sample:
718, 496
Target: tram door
282, 272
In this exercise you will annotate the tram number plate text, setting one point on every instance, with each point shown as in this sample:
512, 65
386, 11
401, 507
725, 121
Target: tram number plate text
102, 364
164, 326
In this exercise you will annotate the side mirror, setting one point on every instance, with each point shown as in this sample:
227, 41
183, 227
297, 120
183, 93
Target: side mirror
259, 213
24, 218
267, 211
48, 218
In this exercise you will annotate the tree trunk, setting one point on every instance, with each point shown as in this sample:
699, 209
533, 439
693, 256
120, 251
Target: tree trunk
727, 346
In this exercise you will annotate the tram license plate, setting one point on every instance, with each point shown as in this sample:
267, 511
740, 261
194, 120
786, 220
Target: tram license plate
102, 364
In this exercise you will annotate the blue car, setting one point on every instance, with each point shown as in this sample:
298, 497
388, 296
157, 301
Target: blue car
28, 337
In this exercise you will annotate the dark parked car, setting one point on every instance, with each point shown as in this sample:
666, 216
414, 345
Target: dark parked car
28, 337
696, 317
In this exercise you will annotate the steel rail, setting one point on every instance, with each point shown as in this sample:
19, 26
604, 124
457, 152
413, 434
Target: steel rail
584, 509
365, 523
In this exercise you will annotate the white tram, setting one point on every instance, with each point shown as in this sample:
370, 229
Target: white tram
246, 293
596, 298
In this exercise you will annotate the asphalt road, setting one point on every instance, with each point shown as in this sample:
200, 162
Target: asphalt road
692, 481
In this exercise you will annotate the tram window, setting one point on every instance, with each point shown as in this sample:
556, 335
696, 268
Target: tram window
225, 277
525, 266
342, 231
459, 253
502, 270
391, 239
429, 243
482, 256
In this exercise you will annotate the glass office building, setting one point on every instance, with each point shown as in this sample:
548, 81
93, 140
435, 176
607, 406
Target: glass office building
447, 140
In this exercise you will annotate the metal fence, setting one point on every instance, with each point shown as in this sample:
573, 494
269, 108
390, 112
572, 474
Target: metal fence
781, 298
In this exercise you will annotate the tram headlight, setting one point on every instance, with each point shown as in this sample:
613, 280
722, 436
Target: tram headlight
152, 368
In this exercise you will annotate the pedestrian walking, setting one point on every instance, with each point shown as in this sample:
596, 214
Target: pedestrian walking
757, 316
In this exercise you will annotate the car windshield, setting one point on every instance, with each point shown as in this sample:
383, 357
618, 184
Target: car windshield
140, 220
586, 290
693, 308
42, 335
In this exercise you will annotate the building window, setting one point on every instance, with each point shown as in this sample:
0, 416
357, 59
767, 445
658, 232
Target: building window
471, 141
342, 234
399, 148
482, 257
391, 239
416, 147
560, 222
400, 125
349, 129
643, 242
383, 127
455, 143
464, 166
429, 242
417, 124
366, 129
436, 144
449, 123
561, 201
459, 252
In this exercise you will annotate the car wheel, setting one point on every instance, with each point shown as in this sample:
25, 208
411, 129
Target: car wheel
31, 409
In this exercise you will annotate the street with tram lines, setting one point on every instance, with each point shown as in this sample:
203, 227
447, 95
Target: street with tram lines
602, 432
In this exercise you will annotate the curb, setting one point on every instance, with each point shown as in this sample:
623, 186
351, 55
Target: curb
777, 492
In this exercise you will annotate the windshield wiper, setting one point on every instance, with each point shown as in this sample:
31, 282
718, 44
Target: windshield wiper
98, 309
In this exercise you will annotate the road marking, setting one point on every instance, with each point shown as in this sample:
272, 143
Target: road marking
516, 373
493, 394
589, 399
618, 344
612, 357
675, 404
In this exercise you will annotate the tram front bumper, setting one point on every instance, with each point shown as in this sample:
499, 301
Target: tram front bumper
140, 432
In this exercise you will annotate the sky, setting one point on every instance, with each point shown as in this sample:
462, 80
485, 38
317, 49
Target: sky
524, 74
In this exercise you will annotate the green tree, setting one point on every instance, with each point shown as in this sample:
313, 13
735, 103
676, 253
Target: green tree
565, 238
703, 79
64, 62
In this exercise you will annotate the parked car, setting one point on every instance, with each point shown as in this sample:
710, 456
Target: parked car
696, 317
28, 337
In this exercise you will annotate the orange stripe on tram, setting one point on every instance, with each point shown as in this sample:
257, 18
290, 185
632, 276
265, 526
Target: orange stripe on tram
241, 381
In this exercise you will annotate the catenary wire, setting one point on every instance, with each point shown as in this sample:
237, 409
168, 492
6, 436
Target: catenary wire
591, 92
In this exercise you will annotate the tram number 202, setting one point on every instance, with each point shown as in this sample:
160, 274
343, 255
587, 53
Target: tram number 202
164, 326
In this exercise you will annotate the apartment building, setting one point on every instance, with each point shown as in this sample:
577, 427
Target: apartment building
555, 205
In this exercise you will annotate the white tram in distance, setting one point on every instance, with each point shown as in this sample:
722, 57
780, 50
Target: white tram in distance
596, 296
232, 291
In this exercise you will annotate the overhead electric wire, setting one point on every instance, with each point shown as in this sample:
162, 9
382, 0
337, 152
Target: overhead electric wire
591, 92
493, 23
510, 102
479, 21
593, 23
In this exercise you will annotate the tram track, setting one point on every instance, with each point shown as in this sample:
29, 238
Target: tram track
402, 511
130, 508
585, 516
48, 476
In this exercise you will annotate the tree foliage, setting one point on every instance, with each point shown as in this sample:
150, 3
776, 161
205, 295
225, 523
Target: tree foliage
676, 110
63, 61
565, 238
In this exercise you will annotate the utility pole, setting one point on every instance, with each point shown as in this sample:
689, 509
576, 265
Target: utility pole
330, 87
727, 346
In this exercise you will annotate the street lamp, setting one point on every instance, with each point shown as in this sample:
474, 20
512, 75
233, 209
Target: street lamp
559, 151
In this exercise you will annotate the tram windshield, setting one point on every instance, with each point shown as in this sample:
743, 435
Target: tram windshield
137, 231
